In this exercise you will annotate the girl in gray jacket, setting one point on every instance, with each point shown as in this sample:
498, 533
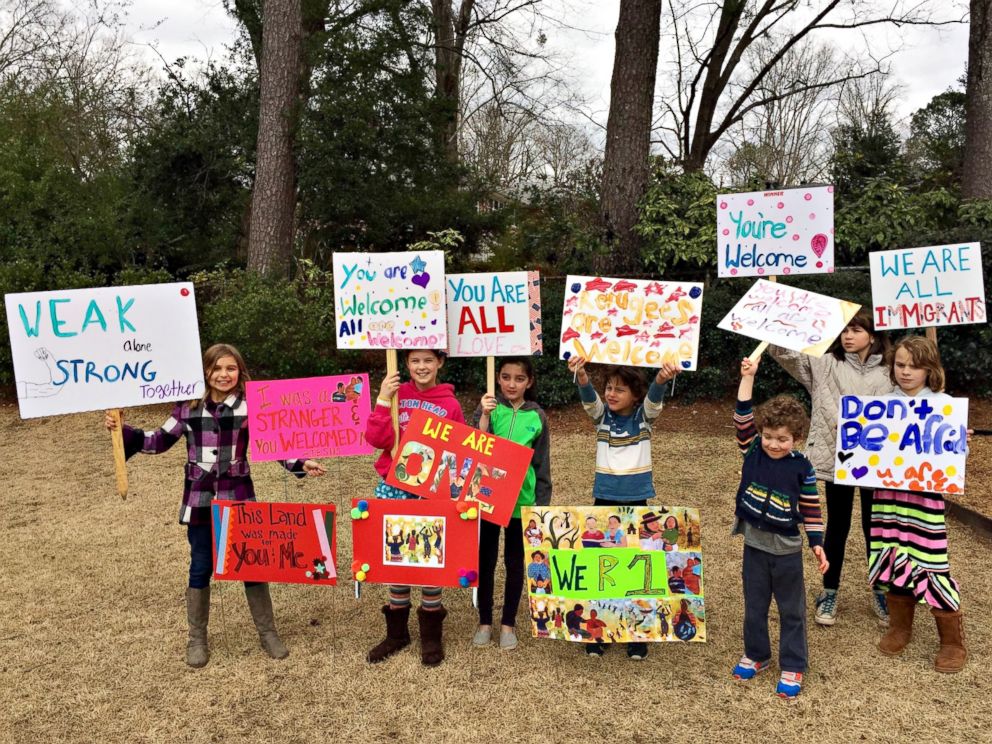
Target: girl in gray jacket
854, 365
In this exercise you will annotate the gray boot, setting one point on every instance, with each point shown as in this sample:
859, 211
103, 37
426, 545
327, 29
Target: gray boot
197, 613
260, 604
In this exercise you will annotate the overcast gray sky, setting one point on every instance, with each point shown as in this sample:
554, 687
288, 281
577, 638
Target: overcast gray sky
931, 60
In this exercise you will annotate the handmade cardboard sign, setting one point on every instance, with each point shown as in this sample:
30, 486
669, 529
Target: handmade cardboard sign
765, 233
616, 574
441, 459
494, 314
909, 444
309, 417
923, 287
796, 319
390, 300
412, 542
285, 543
108, 347
634, 323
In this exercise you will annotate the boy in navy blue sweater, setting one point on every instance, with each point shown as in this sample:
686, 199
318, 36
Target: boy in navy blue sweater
776, 495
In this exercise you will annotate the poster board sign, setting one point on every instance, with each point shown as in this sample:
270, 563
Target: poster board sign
443, 460
631, 322
796, 319
766, 233
494, 314
276, 542
614, 574
908, 444
924, 287
308, 417
108, 347
412, 542
390, 300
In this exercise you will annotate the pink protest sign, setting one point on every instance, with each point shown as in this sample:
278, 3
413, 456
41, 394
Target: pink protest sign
309, 417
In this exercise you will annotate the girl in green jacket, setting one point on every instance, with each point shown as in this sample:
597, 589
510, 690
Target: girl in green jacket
513, 414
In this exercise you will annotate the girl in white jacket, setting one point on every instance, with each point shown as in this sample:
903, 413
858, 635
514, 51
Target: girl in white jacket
854, 365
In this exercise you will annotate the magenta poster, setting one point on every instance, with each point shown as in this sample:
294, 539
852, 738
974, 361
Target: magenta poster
309, 417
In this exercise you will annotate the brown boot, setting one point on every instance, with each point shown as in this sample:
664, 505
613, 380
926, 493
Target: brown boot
901, 611
431, 644
952, 654
260, 606
197, 613
397, 634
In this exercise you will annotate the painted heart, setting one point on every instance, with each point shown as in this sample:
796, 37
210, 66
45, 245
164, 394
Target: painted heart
421, 280
819, 244
844, 456
860, 472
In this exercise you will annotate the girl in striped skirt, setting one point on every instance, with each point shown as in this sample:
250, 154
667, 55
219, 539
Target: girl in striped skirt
909, 532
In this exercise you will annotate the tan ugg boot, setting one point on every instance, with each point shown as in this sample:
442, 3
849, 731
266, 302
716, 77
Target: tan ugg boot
901, 611
952, 654
260, 605
197, 614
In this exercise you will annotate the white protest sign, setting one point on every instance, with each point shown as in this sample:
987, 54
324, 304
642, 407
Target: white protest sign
765, 233
793, 318
909, 444
494, 314
110, 347
921, 287
635, 323
390, 300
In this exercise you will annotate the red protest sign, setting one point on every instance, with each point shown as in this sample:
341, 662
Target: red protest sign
412, 542
441, 459
285, 543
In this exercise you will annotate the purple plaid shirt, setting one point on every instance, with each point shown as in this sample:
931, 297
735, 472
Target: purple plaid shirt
217, 448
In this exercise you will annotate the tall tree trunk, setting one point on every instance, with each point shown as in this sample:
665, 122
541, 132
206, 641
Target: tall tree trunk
270, 242
628, 128
450, 32
976, 180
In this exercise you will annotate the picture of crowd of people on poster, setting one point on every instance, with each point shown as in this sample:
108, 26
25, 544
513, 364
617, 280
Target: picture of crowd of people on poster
614, 570
618, 574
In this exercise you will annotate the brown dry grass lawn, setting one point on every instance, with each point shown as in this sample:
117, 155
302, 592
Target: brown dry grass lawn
92, 626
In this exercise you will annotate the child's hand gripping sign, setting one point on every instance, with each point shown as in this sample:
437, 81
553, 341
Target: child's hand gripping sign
441, 459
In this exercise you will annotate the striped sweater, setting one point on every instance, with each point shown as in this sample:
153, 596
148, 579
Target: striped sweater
776, 495
623, 446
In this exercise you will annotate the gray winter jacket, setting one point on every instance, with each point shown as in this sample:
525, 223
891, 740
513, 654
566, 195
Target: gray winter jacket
827, 379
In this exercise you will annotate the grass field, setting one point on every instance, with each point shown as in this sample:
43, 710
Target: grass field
92, 625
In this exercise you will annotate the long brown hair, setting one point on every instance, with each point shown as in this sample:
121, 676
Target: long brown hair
210, 358
925, 355
880, 343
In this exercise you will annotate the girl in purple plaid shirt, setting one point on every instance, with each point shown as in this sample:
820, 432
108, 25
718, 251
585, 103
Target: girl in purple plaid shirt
216, 431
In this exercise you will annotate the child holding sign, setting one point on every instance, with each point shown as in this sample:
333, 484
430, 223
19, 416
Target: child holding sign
216, 431
777, 495
422, 392
855, 364
909, 531
512, 414
623, 443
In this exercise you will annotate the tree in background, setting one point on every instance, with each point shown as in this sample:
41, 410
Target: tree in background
628, 130
936, 144
866, 144
977, 175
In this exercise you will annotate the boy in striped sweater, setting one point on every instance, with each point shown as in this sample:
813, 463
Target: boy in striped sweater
776, 495
623, 420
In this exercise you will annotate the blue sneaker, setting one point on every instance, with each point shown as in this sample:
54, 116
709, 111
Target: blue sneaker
826, 607
748, 668
789, 684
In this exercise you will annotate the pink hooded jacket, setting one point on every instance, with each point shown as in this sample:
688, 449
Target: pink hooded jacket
439, 400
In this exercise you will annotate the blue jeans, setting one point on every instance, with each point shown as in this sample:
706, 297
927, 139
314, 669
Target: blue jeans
201, 557
766, 575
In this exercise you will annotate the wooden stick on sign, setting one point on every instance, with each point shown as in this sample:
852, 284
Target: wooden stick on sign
392, 367
117, 440
755, 355
490, 375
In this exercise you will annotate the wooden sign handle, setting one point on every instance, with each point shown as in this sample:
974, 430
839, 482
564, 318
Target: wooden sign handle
117, 440
758, 351
490, 375
931, 333
393, 366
